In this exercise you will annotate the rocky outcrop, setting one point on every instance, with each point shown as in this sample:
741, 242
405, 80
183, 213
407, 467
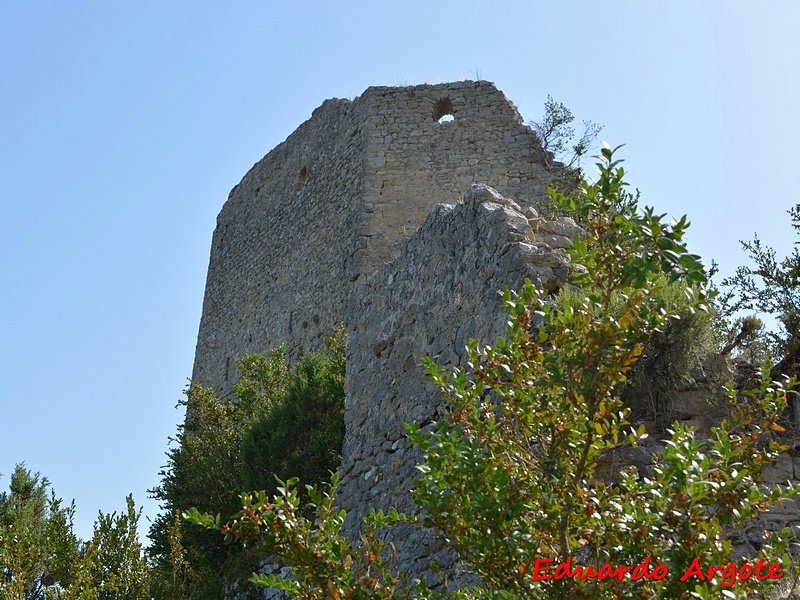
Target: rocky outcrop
441, 290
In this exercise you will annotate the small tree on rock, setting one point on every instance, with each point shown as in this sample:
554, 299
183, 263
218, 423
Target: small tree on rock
772, 286
557, 136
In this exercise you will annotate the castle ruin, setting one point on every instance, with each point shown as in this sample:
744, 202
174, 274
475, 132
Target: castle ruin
361, 217
377, 213
303, 230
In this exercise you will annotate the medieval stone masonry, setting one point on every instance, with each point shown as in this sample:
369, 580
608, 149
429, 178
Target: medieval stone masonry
300, 234
400, 213
361, 217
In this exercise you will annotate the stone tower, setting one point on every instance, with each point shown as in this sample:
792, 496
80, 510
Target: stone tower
360, 217
299, 235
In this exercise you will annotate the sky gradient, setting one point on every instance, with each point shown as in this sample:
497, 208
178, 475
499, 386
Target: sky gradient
124, 127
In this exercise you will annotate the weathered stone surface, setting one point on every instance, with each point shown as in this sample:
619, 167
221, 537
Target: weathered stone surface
426, 302
555, 234
309, 222
690, 403
358, 218
563, 226
781, 471
715, 369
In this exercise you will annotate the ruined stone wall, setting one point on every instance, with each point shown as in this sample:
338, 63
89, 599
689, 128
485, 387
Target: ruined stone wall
415, 162
277, 272
299, 235
359, 217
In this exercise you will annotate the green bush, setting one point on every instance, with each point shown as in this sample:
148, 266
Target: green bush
670, 354
301, 435
277, 421
117, 565
673, 351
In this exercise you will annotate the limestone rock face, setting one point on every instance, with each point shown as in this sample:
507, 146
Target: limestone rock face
441, 290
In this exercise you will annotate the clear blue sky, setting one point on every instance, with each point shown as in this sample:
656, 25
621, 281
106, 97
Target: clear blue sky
123, 126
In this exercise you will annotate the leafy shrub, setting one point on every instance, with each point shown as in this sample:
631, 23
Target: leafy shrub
302, 434
117, 565
277, 421
671, 352
174, 578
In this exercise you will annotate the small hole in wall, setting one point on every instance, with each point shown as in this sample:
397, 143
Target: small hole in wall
303, 177
443, 111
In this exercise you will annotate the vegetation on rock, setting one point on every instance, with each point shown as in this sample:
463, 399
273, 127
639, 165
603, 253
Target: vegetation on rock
508, 476
557, 136
771, 287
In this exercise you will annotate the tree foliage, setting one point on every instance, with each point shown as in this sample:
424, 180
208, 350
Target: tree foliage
772, 286
508, 476
302, 435
557, 136
671, 352
118, 566
745, 338
174, 578
38, 548
204, 466
278, 421
40, 556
